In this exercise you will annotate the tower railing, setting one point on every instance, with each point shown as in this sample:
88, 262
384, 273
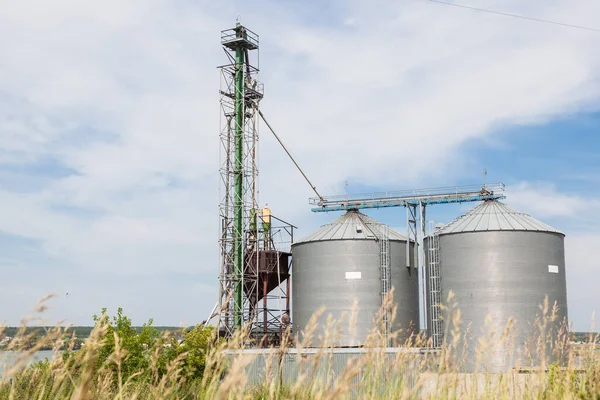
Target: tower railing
247, 38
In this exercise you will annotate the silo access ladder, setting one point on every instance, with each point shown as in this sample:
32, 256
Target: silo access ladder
385, 274
435, 294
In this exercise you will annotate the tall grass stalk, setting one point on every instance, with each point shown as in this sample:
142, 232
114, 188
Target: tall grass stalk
548, 367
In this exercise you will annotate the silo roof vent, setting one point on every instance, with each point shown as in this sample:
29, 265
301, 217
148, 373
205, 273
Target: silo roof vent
353, 225
493, 215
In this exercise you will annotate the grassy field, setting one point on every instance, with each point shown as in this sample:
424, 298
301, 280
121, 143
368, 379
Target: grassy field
118, 361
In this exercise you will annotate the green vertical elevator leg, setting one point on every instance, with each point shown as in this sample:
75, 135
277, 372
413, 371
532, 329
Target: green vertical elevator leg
239, 176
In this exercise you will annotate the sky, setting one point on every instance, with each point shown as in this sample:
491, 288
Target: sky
109, 123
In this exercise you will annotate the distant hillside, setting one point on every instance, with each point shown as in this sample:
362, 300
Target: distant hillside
81, 332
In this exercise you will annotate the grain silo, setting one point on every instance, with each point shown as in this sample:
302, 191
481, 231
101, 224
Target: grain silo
346, 260
499, 263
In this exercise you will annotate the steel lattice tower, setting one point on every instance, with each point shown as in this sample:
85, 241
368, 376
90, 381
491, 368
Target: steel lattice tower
240, 95
255, 256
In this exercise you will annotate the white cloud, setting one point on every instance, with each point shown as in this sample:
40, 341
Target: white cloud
125, 95
583, 273
544, 200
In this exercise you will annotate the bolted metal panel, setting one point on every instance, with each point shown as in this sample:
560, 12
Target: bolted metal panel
335, 273
502, 275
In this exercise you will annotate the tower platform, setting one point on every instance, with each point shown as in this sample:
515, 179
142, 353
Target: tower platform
239, 37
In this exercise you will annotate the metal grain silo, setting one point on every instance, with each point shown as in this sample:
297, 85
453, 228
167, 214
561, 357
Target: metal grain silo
341, 262
499, 263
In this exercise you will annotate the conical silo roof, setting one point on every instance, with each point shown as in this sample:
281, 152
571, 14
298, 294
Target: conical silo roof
493, 215
353, 225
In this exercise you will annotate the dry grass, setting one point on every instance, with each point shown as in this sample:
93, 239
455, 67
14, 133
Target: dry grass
373, 374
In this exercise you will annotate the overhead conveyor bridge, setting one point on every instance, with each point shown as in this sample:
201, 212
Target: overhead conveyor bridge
407, 198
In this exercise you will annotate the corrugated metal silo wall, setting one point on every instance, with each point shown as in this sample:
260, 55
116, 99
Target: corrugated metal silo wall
406, 291
503, 274
319, 279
